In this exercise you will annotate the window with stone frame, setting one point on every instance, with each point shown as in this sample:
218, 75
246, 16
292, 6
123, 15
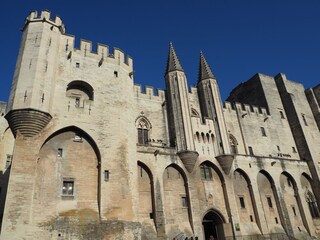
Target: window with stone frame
312, 205
143, 132
233, 144
206, 172
68, 187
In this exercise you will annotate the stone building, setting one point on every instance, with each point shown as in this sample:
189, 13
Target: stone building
87, 154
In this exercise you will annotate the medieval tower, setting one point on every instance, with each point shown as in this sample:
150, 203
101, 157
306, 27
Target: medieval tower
87, 154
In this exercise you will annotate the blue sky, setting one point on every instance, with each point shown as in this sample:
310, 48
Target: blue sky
238, 38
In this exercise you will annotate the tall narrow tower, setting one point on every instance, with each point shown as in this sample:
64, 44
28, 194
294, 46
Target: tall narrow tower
33, 83
181, 134
211, 105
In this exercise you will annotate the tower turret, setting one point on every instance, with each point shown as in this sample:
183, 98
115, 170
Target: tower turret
33, 83
211, 105
179, 110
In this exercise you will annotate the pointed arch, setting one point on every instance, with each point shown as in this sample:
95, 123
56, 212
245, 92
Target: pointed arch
143, 127
63, 158
146, 193
79, 132
233, 144
176, 191
307, 184
244, 190
270, 200
290, 193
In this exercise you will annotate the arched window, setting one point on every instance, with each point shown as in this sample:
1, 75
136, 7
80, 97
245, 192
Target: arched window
312, 205
198, 136
233, 144
80, 91
143, 131
203, 137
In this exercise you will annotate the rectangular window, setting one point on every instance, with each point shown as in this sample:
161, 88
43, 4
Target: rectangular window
242, 204
263, 132
250, 151
276, 219
115, 73
142, 136
68, 188
77, 102
59, 153
205, 172
269, 200
184, 201
77, 65
251, 218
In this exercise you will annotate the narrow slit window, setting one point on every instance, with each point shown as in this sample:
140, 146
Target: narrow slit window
304, 120
282, 115
269, 200
250, 151
263, 132
242, 204
77, 65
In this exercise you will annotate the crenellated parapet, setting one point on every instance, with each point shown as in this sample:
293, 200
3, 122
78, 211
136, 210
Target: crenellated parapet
45, 16
149, 93
245, 109
103, 54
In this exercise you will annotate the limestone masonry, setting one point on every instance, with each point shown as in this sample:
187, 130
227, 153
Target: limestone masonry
87, 154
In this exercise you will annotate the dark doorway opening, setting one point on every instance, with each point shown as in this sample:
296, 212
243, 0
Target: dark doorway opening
213, 226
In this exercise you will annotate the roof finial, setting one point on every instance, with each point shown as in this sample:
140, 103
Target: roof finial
204, 69
173, 63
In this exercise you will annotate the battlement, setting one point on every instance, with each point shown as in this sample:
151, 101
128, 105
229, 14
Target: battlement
45, 17
102, 53
148, 93
245, 108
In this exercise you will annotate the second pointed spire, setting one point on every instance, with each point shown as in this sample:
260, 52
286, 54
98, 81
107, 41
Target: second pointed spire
204, 69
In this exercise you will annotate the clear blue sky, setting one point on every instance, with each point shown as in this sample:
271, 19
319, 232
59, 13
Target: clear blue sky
238, 37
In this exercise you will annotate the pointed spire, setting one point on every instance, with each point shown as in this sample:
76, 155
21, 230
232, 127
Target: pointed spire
173, 63
204, 69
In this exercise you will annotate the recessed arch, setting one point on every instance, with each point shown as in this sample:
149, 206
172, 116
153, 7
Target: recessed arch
293, 206
69, 164
146, 205
80, 132
81, 86
246, 202
177, 204
212, 223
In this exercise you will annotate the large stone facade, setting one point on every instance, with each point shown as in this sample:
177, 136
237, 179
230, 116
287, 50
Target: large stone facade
86, 154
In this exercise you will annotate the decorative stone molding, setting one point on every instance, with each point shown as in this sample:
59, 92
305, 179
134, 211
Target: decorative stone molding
189, 159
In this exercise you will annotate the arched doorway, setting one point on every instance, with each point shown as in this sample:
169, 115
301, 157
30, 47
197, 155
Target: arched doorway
212, 224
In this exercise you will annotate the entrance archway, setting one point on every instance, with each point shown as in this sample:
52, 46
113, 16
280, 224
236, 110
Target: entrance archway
212, 224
